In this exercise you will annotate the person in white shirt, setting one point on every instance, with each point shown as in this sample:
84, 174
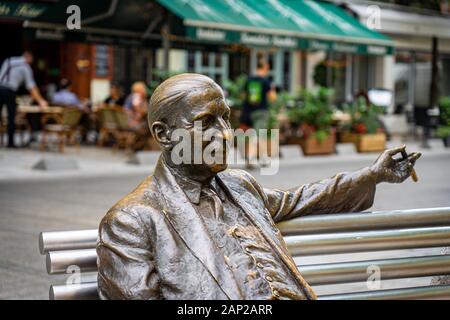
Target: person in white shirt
14, 72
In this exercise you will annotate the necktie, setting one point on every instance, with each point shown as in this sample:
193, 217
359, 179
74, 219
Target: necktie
217, 203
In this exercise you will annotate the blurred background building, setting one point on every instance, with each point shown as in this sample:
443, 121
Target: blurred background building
351, 46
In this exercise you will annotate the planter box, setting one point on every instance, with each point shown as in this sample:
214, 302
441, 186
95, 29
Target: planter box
244, 148
348, 137
371, 142
312, 146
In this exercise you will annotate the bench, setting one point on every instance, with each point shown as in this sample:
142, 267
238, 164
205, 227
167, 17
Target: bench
396, 244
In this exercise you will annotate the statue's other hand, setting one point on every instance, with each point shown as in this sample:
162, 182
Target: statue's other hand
388, 169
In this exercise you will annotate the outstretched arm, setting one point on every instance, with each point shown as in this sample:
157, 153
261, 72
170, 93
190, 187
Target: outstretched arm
345, 192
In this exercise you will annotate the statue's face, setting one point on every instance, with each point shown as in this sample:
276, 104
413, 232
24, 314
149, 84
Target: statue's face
205, 119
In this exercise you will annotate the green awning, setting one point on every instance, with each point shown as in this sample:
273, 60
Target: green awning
127, 22
304, 24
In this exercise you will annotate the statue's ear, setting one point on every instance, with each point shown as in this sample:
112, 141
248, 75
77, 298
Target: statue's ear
161, 133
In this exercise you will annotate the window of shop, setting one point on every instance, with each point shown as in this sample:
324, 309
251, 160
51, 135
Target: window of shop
340, 71
212, 64
422, 83
140, 68
412, 79
404, 80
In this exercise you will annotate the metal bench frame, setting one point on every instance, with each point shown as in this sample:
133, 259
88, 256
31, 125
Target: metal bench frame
306, 236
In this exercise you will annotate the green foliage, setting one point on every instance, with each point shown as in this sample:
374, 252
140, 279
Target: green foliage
314, 111
158, 77
364, 116
284, 99
236, 91
443, 130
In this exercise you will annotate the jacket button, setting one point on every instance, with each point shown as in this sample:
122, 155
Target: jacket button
269, 278
247, 250
276, 294
259, 265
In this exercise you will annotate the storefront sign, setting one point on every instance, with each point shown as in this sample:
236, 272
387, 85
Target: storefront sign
377, 50
49, 34
267, 40
344, 47
317, 45
255, 39
210, 34
21, 10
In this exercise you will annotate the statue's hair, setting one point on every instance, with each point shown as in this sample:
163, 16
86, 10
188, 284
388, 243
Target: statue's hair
174, 92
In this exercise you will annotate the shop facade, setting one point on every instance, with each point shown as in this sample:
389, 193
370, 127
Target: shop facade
307, 43
409, 72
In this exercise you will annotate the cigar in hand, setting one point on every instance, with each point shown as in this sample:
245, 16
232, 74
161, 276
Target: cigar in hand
413, 173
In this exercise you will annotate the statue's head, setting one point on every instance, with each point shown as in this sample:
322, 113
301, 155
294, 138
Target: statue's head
189, 118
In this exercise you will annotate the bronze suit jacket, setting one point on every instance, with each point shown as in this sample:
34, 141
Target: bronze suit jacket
153, 244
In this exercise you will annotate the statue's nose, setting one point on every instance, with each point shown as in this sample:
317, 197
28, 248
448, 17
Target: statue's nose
225, 130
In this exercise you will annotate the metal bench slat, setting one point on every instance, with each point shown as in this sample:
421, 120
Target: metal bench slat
86, 260
422, 293
331, 273
88, 291
357, 271
82, 291
67, 240
57, 262
348, 242
366, 221
85, 239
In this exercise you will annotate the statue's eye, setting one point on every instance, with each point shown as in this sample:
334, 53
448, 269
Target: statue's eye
207, 121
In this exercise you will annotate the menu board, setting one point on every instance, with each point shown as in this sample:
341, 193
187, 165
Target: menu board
102, 67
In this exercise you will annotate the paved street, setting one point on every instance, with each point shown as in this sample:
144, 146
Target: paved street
31, 206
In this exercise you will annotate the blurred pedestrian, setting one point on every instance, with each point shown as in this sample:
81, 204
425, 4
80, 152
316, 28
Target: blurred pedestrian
116, 97
14, 72
65, 97
259, 92
136, 106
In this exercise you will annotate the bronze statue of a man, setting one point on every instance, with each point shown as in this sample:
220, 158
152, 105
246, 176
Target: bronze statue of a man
200, 231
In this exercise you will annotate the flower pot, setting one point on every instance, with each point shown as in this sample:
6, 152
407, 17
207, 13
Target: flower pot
348, 137
371, 142
312, 146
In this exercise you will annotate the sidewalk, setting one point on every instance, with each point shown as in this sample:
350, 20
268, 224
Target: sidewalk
97, 162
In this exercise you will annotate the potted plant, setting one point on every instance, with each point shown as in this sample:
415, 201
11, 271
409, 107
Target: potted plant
312, 117
443, 130
235, 95
364, 129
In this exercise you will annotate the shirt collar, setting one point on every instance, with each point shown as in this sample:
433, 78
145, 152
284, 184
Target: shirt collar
193, 188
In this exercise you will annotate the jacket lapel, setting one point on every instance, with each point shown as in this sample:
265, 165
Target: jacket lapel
254, 211
190, 227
